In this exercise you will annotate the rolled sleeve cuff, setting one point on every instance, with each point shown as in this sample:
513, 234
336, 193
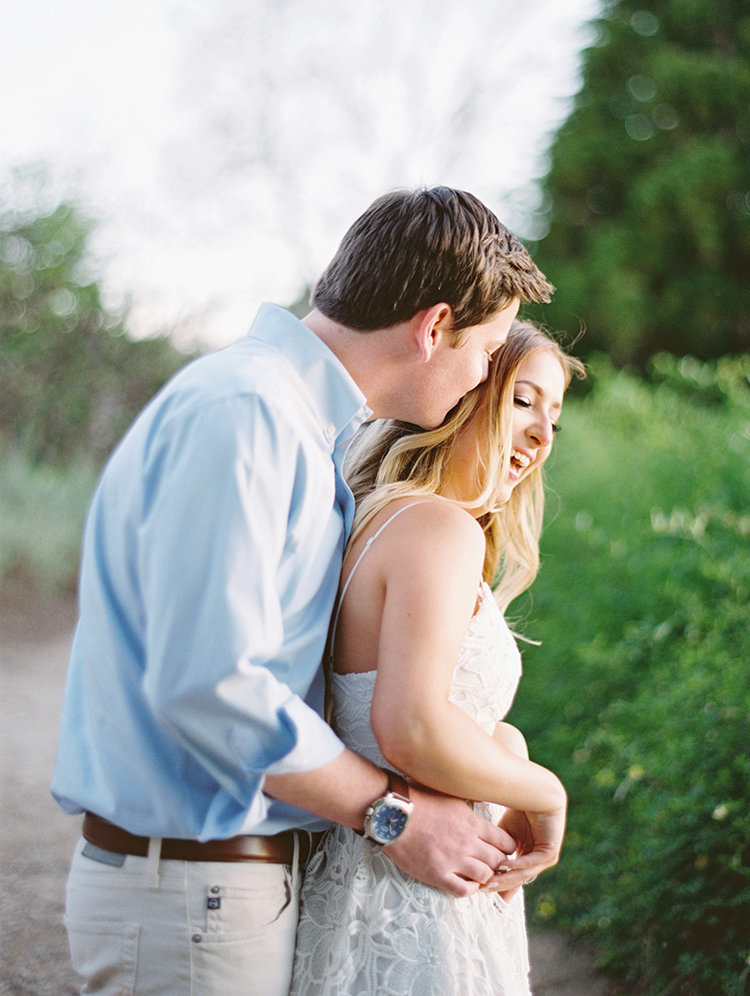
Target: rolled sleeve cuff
315, 742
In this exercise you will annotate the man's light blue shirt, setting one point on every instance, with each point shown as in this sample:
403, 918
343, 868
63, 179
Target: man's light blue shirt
210, 564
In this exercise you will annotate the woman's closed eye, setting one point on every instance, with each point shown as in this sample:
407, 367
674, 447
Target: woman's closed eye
523, 402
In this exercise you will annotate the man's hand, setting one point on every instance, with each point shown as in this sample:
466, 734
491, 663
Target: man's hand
447, 845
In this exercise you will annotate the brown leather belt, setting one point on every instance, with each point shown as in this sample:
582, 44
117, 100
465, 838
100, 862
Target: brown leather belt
278, 849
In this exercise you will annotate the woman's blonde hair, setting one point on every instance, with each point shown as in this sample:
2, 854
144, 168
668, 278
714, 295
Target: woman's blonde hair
391, 459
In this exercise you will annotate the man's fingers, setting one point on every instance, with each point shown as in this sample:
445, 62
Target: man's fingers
498, 838
490, 857
460, 887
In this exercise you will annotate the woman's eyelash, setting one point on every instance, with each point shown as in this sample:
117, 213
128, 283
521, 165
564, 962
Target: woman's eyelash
525, 403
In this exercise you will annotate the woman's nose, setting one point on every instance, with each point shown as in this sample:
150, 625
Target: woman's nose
541, 431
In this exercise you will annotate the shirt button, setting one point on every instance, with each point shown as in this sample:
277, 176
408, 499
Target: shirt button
214, 890
331, 429
196, 938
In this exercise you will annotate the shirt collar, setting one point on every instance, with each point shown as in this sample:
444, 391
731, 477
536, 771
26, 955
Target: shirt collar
341, 403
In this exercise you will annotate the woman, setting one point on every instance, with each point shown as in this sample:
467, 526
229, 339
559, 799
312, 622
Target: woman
423, 669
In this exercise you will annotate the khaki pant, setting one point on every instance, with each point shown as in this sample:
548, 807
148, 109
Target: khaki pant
143, 926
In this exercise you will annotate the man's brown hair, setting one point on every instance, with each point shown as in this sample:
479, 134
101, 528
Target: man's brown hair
415, 248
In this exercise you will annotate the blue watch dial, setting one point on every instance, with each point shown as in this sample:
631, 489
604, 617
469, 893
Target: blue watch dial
388, 822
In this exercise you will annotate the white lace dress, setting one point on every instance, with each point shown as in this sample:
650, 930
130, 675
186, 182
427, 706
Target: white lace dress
368, 930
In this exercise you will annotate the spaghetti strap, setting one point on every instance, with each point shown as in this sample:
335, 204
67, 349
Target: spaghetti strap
357, 562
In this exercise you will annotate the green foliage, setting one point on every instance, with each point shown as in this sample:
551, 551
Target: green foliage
639, 696
42, 508
649, 185
70, 378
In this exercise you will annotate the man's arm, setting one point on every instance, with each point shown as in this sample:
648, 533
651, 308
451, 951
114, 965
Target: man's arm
445, 844
218, 486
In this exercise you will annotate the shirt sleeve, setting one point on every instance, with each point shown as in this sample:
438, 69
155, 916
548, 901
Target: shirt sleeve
218, 485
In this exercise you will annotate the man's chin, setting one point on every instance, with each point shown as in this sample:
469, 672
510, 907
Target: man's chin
431, 424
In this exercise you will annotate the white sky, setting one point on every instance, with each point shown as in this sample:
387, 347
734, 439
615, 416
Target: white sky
225, 147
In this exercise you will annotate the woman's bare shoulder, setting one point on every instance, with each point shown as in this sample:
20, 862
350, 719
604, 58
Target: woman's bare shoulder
425, 525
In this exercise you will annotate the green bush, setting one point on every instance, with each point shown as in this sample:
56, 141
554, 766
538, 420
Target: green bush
42, 509
71, 378
639, 694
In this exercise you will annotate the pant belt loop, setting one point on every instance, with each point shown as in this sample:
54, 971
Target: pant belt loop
152, 862
295, 859
309, 848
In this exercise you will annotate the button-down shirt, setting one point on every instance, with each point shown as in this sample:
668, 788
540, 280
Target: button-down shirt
210, 564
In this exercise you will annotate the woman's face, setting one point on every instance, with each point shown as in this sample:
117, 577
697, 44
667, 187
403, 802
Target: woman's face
537, 403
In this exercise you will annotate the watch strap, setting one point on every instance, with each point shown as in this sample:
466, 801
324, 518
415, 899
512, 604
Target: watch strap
398, 786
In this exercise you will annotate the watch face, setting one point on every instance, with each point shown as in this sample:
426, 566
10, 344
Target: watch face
387, 822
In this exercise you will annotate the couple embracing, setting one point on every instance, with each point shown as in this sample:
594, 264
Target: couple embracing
242, 563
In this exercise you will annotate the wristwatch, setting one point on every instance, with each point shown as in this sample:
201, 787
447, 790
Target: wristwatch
386, 818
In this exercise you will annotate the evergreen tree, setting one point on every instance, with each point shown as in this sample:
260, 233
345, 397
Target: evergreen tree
70, 377
649, 186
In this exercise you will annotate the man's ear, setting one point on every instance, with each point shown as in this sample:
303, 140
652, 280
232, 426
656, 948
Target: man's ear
430, 326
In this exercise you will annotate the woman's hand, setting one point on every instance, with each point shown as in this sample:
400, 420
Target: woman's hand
517, 824
539, 837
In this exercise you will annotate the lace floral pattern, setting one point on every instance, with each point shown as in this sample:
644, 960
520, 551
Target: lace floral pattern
366, 929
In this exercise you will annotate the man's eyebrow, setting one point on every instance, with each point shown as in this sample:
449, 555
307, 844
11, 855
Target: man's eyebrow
539, 390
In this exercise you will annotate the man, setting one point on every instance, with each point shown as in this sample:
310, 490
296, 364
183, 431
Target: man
191, 736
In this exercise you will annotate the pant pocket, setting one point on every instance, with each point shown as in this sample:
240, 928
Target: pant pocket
236, 913
247, 945
104, 954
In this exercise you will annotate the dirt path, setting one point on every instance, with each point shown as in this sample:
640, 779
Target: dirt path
37, 838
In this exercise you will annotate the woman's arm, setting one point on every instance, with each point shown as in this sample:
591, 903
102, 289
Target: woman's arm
538, 836
431, 567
